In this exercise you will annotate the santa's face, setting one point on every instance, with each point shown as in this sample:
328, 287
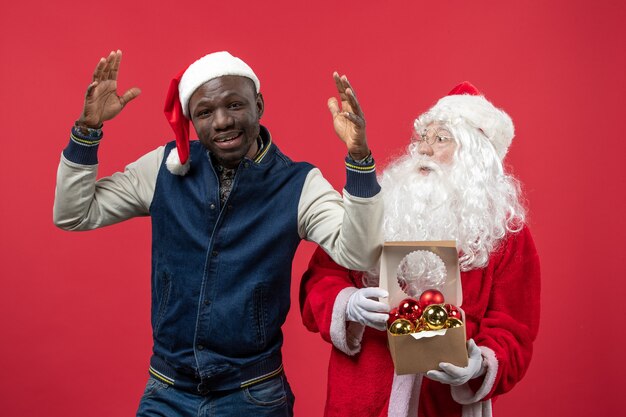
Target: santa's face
450, 190
435, 142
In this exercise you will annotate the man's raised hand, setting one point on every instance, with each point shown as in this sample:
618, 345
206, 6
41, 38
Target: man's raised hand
102, 102
349, 121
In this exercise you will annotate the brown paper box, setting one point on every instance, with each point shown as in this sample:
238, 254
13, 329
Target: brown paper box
411, 355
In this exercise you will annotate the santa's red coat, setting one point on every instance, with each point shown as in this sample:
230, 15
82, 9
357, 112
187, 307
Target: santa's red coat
501, 304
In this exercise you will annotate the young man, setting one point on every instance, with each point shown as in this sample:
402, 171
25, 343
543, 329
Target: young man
228, 212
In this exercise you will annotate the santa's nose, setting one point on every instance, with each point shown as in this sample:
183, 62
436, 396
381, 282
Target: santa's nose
423, 148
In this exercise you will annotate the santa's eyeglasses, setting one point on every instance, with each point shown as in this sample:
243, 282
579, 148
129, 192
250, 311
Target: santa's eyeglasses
432, 137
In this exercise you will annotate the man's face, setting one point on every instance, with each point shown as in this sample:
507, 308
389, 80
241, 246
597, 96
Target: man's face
225, 112
436, 143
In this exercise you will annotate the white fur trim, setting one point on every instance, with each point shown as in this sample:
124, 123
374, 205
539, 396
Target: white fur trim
463, 394
405, 394
345, 335
173, 163
479, 113
208, 67
480, 409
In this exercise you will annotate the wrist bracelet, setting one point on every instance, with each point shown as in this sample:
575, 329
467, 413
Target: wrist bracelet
88, 132
367, 160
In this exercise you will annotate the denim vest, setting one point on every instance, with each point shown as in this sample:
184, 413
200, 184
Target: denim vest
221, 274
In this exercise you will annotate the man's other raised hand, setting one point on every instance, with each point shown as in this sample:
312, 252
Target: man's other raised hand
102, 102
349, 121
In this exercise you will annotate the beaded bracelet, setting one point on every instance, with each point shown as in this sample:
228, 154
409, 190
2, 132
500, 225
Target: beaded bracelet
88, 132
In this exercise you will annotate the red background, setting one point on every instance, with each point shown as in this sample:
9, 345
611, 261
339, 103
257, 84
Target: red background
74, 307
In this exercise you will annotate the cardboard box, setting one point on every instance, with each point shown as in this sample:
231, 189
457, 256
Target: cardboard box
423, 351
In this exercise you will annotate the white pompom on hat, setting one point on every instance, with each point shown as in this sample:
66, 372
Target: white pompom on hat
182, 87
467, 103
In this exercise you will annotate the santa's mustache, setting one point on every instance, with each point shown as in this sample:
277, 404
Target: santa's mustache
425, 162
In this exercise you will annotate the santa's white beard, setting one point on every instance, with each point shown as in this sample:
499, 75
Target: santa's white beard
450, 203
417, 206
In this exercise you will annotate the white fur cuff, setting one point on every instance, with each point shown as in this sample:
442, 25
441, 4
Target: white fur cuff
345, 335
463, 394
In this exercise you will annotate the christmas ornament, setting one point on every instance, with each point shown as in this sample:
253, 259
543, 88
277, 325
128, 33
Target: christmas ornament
429, 297
410, 317
420, 270
435, 316
394, 315
453, 322
410, 309
453, 311
421, 325
401, 326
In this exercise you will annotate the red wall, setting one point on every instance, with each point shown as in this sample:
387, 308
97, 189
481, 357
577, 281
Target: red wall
74, 307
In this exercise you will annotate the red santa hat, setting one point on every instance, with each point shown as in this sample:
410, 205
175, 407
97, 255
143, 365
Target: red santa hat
465, 102
181, 89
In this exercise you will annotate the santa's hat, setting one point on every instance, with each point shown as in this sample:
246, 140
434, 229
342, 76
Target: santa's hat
181, 89
465, 102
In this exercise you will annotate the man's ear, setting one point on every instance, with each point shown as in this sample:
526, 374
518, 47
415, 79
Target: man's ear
260, 104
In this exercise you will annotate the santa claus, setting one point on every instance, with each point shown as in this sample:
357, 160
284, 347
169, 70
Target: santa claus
449, 185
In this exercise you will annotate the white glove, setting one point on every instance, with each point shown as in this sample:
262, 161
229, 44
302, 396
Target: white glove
454, 375
362, 308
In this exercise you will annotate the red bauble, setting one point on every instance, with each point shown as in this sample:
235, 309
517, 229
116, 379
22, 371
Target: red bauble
393, 316
410, 309
429, 297
453, 311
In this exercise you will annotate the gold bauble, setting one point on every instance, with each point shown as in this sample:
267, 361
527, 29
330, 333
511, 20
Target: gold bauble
453, 322
435, 316
401, 326
421, 325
